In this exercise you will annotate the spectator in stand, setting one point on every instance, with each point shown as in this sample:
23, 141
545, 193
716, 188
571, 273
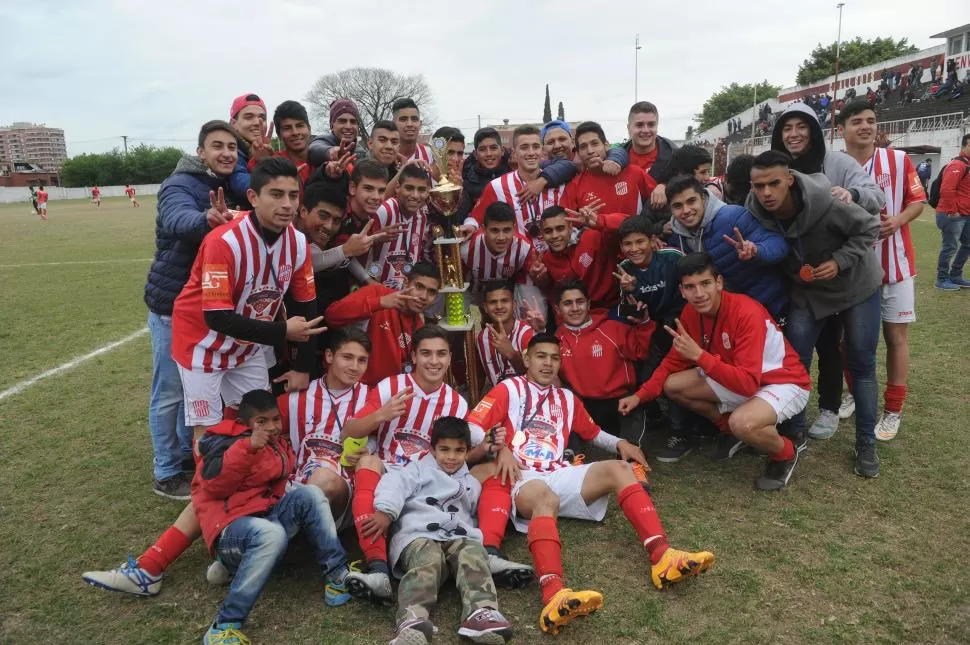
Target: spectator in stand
953, 220
737, 181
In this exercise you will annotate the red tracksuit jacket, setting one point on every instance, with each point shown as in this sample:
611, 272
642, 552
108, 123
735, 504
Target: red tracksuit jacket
598, 358
592, 259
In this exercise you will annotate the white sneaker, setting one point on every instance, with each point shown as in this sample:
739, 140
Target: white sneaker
847, 409
217, 574
888, 426
825, 425
128, 578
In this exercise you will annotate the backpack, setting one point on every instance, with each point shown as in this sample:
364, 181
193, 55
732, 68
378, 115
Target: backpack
934, 196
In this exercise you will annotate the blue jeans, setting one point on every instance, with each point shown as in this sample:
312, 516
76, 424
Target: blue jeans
956, 241
252, 546
171, 439
860, 324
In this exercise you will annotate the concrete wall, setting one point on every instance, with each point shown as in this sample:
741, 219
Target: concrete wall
14, 195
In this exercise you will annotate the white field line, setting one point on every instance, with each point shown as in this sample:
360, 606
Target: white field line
71, 364
56, 264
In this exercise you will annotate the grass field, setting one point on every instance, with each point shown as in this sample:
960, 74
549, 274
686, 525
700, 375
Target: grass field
832, 559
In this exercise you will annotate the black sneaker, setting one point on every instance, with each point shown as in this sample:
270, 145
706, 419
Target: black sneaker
866, 461
188, 466
177, 488
776, 474
675, 449
726, 446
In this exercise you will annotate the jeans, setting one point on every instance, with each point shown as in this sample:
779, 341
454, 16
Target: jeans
860, 324
171, 439
251, 547
956, 240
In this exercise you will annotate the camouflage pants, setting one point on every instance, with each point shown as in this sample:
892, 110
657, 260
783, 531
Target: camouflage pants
427, 565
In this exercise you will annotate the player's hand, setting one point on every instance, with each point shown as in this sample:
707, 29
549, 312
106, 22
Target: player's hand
454, 176
495, 439
398, 299
628, 283
507, 467
533, 314
360, 243
826, 270
642, 315
466, 231
842, 194
668, 228
656, 243
258, 439
262, 145
611, 168
888, 226
218, 213
538, 272
532, 189
401, 161
389, 232
629, 452
374, 526
336, 168
295, 381
353, 458
396, 406
683, 343
746, 249
658, 198
628, 404
299, 329
501, 341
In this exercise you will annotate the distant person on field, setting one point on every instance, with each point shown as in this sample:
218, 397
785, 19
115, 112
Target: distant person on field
130, 191
96, 196
33, 200
42, 203
925, 171
953, 220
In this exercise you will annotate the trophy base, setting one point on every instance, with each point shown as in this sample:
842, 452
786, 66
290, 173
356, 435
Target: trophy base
448, 240
466, 327
455, 289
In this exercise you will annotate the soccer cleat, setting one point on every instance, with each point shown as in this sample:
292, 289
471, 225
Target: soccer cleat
567, 605
866, 461
675, 449
217, 574
847, 408
128, 578
726, 445
486, 626
676, 566
640, 474
827, 423
578, 459
776, 474
508, 574
374, 586
225, 634
888, 426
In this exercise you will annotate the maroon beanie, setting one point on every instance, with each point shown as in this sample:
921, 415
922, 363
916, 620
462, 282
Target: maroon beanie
340, 107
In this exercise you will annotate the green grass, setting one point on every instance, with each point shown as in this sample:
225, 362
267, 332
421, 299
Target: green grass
833, 559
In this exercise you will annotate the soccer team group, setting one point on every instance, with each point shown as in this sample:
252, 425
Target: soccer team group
619, 287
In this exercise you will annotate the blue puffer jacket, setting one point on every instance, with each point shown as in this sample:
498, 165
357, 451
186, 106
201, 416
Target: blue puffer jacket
180, 225
755, 278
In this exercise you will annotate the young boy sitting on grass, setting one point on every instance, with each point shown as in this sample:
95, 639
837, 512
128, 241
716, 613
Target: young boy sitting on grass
247, 517
431, 503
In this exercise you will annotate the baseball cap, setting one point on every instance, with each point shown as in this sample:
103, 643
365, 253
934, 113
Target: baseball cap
240, 102
552, 125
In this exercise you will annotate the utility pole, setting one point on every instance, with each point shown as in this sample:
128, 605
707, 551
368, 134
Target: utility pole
835, 88
636, 69
124, 138
479, 121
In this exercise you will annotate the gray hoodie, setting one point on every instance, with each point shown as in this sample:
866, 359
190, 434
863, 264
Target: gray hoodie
840, 168
825, 228
426, 502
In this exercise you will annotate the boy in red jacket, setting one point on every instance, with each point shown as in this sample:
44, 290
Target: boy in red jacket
598, 358
390, 318
730, 363
247, 517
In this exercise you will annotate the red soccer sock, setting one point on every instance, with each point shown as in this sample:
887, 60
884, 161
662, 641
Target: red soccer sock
639, 510
723, 423
166, 550
365, 483
546, 554
894, 397
494, 506
786, 453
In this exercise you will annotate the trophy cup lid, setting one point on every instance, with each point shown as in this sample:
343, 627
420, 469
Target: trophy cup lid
439, 150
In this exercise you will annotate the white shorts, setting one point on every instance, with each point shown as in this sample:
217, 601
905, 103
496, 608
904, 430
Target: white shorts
205, 392
898, 302
567, 484
346, 518
786, 400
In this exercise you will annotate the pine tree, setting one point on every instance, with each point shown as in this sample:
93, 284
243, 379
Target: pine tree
562, 112
547, 109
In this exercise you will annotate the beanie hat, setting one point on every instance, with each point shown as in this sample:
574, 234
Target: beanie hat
552, 125
340, 107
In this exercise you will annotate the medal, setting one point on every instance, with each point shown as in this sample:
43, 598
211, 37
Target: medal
407, 269
374, 270
806, 273
518, 439
408, 367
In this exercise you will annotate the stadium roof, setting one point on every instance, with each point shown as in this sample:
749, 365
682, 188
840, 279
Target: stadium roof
952, 32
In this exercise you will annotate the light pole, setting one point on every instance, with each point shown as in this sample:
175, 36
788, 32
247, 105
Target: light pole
835, 87
636, 69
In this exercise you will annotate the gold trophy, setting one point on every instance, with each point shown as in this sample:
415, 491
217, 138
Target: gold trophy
444, 197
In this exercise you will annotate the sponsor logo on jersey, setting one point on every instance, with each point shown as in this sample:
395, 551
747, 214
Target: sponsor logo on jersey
725, 340
621, 188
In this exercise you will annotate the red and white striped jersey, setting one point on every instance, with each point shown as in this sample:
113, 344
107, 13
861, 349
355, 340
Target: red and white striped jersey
314, 419
506, 189
408, 437
236, 270
390, 262
423, 152
893, 171
482, 265
497, 367
537, 421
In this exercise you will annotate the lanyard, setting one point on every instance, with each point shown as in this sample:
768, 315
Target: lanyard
269, 255
532, 206
707, 347
528, 400
333, 407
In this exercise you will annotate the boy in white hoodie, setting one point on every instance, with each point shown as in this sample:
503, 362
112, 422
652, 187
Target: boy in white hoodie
431, 503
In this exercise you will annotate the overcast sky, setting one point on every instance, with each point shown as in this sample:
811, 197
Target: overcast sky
157, 70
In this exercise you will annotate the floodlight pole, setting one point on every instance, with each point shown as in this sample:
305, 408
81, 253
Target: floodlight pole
636, 69
835, 86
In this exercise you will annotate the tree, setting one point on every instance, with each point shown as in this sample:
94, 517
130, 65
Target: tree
730, 100
561, 113
142, 165
547, 108
373, 89
690, 133
855, 53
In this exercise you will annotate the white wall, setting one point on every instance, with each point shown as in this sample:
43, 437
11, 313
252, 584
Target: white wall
14, 195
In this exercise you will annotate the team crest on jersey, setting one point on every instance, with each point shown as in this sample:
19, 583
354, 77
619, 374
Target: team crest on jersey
385, 326
409, 446
555, 411
884, 180
597, 350
586, 260
725, 340
263, 300
286, 272
201, 408
622, 188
